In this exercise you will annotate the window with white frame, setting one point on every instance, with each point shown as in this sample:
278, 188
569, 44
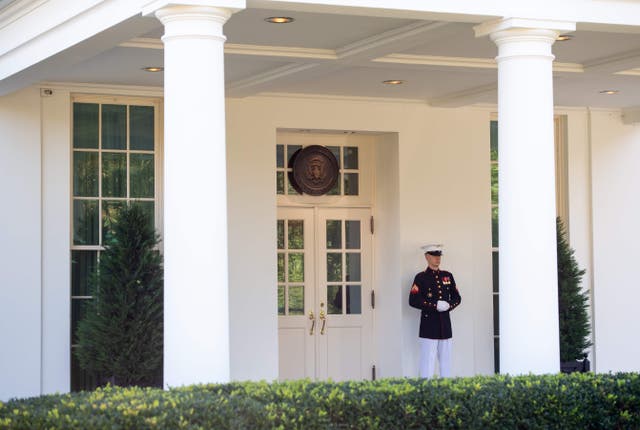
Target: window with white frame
115, 147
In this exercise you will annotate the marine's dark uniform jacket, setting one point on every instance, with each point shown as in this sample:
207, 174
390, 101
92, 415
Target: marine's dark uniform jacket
429, 287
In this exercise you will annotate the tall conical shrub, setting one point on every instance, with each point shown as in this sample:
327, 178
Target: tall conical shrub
121, 336
572, 301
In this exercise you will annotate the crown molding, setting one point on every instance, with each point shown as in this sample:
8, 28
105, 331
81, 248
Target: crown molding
89, 88
339, 98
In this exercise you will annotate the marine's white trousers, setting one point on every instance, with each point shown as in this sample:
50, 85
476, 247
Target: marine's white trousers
429, 348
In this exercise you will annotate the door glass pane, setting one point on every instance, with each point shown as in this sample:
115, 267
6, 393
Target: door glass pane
114, 127
110, 213
85, 125
290, 189
280, 299
334, 267
354, 299
353, 234
85, 174
296, 300
141, 127
280, 182
494, 140
350, 157
141, 176
85, 222
335, 191
114, 174
279, 155
280, 234
296, 267
334, 234
296, 234
280, 267
351, 184
334, 299
353, 267
83, 265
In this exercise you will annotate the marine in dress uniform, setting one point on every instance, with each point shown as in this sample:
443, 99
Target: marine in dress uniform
434, 292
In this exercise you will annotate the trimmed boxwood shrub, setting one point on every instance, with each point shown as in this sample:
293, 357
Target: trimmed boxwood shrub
576, 401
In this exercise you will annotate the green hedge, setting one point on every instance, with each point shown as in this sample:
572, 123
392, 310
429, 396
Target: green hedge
576, 401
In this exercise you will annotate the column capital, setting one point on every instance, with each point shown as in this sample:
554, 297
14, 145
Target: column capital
513, 25
154, 6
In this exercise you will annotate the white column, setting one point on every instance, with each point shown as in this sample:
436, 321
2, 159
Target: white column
529, 332
196, 305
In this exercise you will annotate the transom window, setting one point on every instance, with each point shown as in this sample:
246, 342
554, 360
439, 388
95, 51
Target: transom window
348, 183
114, 162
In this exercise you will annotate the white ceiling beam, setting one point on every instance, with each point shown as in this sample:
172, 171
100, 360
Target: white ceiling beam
465, 97
615, 63
354, 53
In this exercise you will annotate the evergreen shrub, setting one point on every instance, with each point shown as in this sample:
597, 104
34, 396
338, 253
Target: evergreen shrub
575, 401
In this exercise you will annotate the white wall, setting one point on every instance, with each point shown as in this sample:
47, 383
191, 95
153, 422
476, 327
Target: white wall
616, 235
442, 153
20, 246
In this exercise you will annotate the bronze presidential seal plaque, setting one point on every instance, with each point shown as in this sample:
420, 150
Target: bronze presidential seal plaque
315, 170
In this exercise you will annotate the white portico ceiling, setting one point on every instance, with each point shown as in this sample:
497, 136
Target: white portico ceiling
442, 63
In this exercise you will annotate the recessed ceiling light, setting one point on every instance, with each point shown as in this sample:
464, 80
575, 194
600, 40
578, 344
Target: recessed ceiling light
564, 37
609, 92
279, 19
393, 82
153, 69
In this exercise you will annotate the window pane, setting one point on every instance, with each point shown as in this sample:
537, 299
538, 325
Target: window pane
85, 174
114, 127
296, 268
351, 184
354, 299
280, 299
290, 189
85, 222
335, 191
279, 155
494, 184
78, 311
291, 149
335, 150
494, 227
85, 125
350, 157
334, 299
141, 127
83, 265
114, 174
496, 315
296, 300
353, 234
279, 182
296, 234
110, 214
141, 175
494, 140
496, 354
81, 379
149, 209
334, 267
280, 267
496, 274
353, 267
280, 234
334, 234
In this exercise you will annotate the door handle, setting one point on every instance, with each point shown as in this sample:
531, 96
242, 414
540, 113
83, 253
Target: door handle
313, 322
323, 318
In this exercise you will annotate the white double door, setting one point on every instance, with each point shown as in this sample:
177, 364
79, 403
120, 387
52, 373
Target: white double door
324, 293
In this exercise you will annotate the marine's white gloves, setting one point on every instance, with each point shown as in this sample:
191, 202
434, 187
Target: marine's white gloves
442, 306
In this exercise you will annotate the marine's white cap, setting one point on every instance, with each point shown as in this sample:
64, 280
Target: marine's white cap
433, 249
